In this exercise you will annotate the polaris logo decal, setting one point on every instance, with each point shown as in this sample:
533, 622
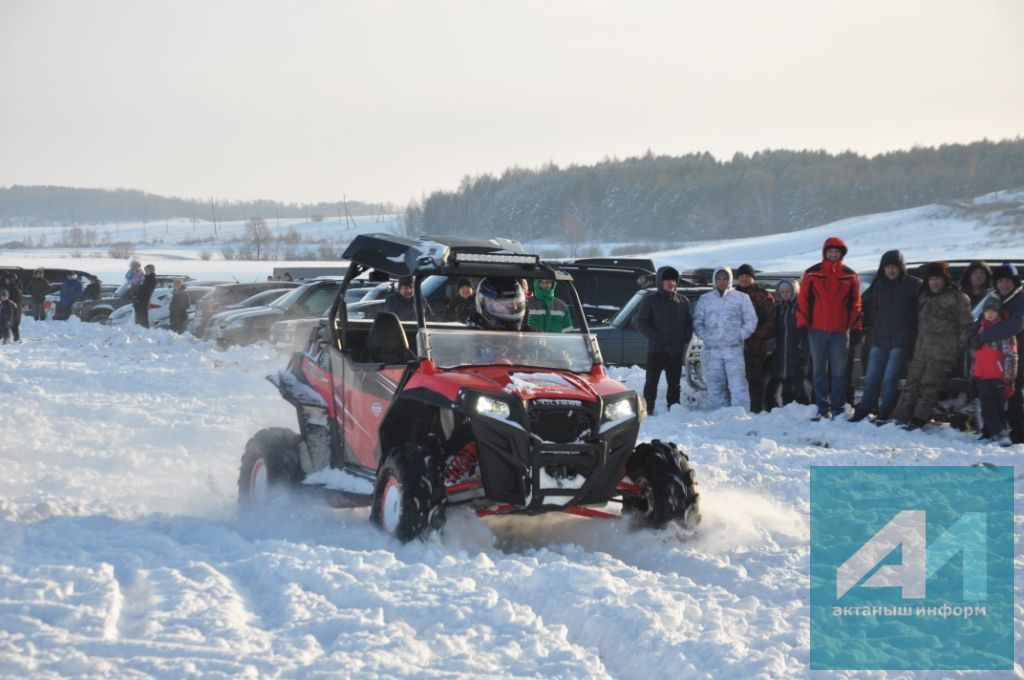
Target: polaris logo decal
376, 408
572, 403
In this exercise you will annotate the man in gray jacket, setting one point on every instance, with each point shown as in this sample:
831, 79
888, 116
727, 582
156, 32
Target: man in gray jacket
723, 319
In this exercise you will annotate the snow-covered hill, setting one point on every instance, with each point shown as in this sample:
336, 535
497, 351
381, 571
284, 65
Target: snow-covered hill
991, 226
122, 555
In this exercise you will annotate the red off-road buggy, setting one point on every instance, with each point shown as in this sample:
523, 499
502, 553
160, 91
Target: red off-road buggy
502, 420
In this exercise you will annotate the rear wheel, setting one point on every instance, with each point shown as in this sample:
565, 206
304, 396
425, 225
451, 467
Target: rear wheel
666, 487
100, 317
408, 498
270, 466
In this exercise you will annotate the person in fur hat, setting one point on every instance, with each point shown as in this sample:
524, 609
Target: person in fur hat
829, 308
664, 318
39, 288
755, 349
1008, 290
976, 281
943, 323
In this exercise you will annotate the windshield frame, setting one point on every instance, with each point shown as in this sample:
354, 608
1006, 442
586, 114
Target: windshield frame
428, 347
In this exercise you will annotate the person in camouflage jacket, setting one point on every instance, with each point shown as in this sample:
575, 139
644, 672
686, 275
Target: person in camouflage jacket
944, 320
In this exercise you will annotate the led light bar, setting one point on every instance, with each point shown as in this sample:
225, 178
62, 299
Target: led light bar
496, 259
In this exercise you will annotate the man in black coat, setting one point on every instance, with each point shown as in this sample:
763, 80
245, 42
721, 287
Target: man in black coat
665, 320
400, 302
461, 307
1008, 288
890, 325
976, 281
14, 292
143, 295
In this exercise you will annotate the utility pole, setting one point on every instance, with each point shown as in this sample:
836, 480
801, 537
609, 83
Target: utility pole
213, 207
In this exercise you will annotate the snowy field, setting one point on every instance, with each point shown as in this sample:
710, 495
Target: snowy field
122, 554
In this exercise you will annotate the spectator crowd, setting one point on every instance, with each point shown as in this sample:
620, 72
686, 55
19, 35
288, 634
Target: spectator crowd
916, 330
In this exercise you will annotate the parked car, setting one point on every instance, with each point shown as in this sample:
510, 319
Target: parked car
100, 310
159, 307
54, 276
605, 284
290, 335
245, 326
623, 345
226, 295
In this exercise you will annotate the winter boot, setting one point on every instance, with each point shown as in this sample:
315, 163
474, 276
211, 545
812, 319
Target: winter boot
1003, 438
914, 424
858, 416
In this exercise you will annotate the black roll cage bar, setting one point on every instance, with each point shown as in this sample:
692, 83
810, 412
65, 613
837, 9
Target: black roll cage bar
398, 264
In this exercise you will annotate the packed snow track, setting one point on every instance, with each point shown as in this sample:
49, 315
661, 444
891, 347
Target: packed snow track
122, 553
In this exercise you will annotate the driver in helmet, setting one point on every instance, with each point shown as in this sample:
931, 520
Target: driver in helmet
500, 305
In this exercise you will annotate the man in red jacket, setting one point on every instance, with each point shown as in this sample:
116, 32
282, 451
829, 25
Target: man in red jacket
829, 308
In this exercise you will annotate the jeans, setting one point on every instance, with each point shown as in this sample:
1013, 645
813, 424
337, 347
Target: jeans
993, 406
829, 352
39, 310
885, 366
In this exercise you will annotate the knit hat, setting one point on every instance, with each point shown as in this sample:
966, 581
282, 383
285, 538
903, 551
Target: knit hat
992, 302
404, 280
745, 269
667, 273
938, 269
1006, 271
463, 282
785, 283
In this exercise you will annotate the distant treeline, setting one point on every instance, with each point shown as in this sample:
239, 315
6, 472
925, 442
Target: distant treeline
69, 205
697, 197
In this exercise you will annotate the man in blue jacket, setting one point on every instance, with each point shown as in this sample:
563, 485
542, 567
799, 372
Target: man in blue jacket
70, 290
890, 325
664, 319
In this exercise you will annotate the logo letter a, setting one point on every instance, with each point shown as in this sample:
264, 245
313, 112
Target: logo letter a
906, 529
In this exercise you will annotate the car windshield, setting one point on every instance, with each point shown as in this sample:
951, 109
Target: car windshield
623, 316
286, 300
453, 347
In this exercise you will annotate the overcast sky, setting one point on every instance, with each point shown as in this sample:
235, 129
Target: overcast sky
386, 101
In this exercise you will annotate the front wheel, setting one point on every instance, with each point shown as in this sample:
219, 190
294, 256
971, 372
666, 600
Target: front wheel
666, 487
270, 466
408, 498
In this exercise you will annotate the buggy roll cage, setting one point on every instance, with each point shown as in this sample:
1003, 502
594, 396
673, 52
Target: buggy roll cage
449, 256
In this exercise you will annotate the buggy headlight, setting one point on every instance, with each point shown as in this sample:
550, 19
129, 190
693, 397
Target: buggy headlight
494, 408
620, 409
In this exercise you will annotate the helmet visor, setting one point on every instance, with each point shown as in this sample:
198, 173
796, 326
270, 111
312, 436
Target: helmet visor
509, 309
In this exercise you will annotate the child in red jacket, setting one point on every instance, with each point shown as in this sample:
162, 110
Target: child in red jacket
995, 367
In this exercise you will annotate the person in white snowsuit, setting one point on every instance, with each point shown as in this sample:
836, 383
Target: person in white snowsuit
723, 320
